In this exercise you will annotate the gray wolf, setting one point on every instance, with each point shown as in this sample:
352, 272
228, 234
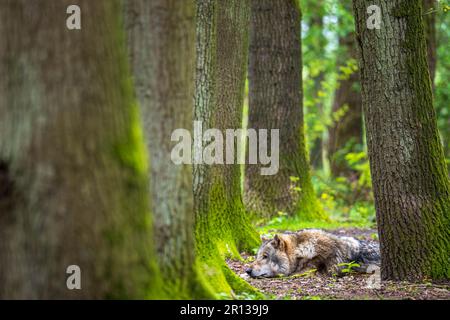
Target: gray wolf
296, 252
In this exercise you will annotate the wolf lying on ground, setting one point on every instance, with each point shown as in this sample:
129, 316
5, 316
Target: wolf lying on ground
291, 253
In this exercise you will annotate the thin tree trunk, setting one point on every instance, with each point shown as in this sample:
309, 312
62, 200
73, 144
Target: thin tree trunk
222, 226
410, 181
317, 149
275, 102
347, 131
71, 157
162, 52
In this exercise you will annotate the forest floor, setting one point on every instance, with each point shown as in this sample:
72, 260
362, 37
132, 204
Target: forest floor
353, 286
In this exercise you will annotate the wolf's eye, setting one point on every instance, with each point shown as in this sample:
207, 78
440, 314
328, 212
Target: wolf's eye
265, 256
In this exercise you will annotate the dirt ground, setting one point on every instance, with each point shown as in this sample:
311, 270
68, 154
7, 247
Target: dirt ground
354, 286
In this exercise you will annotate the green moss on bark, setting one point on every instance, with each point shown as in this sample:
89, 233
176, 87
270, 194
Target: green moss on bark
223, 232
308, 208
436, 212
410, 179
129, 152
275, 38
222, 228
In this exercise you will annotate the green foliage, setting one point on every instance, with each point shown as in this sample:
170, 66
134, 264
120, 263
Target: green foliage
360, 163
347, 201
311, 298
325, 63
306, 274
318, 65
348, 266
295, 224
282, 216
442, 79
347, 69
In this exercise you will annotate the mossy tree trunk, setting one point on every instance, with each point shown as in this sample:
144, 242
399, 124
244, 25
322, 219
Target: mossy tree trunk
429, 20
71, 157
410, 180
222, 226
275, 102
161, 37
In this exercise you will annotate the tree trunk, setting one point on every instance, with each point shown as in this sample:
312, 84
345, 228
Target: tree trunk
162, 53
71, 157
275, 102
347, 131
429, 20
410, 182
222, 226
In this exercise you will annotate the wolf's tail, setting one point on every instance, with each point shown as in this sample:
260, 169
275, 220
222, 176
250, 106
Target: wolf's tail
369, 254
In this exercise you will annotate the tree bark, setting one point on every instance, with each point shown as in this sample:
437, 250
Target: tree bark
71, 157
410, 182
429, 20
275, 102
222, 226
348, 130
162, 53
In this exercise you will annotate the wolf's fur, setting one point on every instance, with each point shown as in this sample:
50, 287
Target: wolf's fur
290, 253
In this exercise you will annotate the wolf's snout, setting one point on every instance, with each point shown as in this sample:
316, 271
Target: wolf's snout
249, 271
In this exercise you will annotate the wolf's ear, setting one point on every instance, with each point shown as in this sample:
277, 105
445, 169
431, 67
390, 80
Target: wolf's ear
264, 238
279, 242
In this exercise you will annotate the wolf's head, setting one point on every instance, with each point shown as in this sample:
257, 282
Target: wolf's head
273, 258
